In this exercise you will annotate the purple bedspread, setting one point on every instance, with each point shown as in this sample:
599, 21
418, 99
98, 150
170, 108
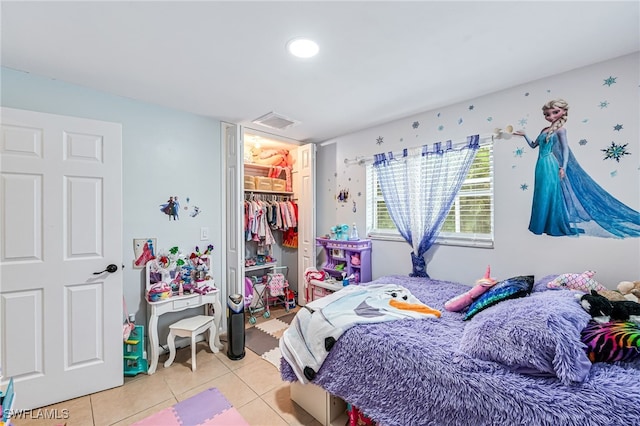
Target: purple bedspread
410, 372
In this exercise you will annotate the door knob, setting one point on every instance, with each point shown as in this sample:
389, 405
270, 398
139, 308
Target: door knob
110, 269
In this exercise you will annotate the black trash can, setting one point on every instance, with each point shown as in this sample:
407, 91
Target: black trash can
235, 327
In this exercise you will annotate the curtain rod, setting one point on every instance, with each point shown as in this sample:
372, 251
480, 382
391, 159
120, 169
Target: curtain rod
361, 161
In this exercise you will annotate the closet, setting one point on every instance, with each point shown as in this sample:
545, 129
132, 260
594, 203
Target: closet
257, 174
270, 208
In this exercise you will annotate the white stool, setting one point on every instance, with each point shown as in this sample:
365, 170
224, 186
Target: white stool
188, 327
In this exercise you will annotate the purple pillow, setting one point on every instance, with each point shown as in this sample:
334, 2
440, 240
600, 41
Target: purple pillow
612, 341
538, 334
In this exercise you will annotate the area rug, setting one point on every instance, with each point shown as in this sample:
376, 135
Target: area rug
263, 338
209, 408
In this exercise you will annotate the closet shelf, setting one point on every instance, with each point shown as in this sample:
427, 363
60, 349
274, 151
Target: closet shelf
258, 267
252, 191
257, 169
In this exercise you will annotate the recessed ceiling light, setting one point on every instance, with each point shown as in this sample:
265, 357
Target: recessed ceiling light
303, 48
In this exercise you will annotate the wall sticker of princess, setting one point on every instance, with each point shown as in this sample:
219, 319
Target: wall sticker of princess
566, 200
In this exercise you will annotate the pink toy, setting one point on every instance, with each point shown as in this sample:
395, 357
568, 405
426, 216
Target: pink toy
583, 282
463, 300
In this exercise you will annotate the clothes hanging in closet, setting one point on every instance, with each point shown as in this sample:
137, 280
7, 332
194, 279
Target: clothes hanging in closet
261, 216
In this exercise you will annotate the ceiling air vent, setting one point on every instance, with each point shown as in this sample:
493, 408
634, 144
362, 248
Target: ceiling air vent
274, 121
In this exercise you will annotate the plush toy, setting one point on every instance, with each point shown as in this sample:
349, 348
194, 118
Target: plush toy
630, 290
604, 310
613, 295
583, 282
272, 157
465, 299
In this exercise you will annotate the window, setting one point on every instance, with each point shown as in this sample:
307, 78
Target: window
470, 221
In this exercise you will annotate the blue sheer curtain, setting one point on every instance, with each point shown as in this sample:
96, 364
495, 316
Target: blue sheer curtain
419, 188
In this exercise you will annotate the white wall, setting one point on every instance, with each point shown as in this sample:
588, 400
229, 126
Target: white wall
516, 251
165, 153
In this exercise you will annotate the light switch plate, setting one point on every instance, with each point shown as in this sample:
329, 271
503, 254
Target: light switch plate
204, 233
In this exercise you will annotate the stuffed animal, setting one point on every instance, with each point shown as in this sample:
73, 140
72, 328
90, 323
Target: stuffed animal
583, 282
630, 290
272, 157
465, 299
613, 295
604, 310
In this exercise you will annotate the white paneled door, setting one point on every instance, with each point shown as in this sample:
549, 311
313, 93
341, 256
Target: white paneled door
305, 190
234, 213
61, 226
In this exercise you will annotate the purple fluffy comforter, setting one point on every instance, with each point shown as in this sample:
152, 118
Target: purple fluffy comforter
411, 372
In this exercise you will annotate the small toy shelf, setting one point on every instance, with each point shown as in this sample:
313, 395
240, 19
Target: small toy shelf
133, 353
349, 256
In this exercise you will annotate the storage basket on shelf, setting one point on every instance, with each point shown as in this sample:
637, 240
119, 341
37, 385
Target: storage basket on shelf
278, 184
263, 183
249, 183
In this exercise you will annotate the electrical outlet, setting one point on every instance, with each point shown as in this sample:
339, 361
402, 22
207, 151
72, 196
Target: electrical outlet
204, 233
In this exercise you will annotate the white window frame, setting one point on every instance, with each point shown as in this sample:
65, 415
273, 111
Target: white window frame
444, 238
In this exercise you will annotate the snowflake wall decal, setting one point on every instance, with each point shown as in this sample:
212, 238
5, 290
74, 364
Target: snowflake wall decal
489, 118
523, 122
524, 186
603, 104
471, 107
460, 120
617, 127
518, 152
615, 152
415, 125
526, 93
380, 140
582, 142
441, 127
614, 173
609, 81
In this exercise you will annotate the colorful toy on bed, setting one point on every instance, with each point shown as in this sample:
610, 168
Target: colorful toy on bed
583, 282
463, 300
611, 341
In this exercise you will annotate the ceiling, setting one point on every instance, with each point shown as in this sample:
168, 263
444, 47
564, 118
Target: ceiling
378, 61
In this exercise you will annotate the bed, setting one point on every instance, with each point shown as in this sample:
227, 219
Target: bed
435, 371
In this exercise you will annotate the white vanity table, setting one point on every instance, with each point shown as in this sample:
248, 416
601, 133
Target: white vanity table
181, 303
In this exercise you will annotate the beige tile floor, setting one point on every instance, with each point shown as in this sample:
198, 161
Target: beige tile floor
252, 385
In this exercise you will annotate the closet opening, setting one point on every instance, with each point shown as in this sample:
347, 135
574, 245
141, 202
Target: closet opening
270, 209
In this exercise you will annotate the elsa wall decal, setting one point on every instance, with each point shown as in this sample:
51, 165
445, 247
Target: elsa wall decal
566, 200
